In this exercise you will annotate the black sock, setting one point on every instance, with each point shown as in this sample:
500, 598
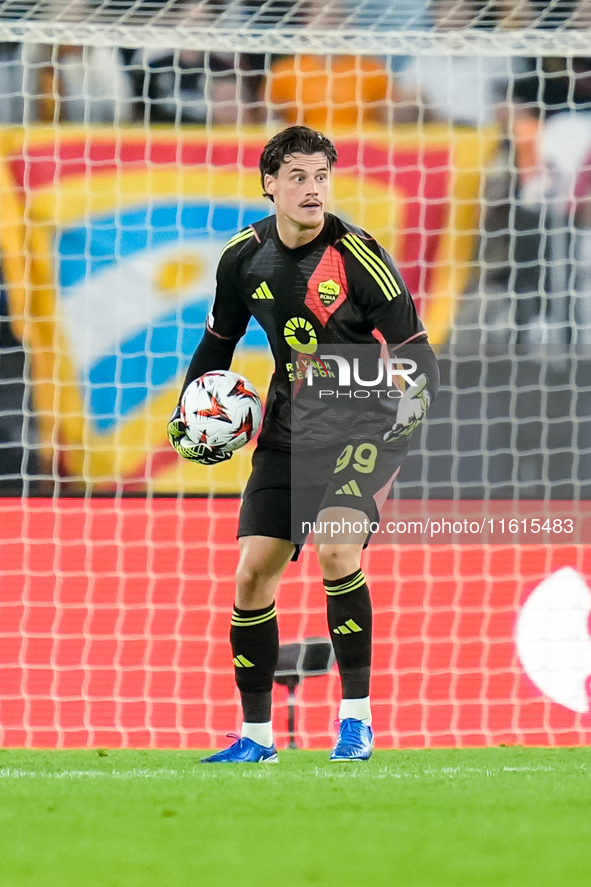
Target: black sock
349, 620
254, 637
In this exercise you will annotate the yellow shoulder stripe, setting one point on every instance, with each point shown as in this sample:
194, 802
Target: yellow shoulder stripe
238, 238
377, 262
372, 263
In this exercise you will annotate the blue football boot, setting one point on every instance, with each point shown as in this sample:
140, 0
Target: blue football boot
243, 751
354, 742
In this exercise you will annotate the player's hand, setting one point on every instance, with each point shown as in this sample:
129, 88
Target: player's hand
188, 449
412, 409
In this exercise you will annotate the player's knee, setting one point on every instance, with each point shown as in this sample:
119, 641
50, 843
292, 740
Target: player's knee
337, 560
253, 588
248, 578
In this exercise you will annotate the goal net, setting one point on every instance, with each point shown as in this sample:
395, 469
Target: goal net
130, 134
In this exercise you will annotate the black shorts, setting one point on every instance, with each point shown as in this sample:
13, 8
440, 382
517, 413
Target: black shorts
285, 493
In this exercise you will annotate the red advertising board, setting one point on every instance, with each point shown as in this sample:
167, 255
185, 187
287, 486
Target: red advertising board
114, 620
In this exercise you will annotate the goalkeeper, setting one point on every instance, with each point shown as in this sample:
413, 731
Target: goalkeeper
311, 280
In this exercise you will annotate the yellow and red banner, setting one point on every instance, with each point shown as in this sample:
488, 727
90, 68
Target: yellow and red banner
110, 240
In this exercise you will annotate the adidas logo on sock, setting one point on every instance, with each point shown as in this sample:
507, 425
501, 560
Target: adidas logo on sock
349, 627
241, 661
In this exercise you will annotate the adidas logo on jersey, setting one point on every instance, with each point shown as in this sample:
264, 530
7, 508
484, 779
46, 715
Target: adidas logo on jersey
262, 292
349, 627
349, 489
328, 291
241, 661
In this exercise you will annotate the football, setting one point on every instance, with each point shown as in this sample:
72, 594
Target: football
221, 409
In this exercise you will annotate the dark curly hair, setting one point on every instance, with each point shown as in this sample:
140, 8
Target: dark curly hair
293, 140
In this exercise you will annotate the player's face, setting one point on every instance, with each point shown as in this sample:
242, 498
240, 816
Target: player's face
300, 189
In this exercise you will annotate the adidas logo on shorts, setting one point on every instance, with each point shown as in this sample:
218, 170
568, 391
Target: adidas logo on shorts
351, 488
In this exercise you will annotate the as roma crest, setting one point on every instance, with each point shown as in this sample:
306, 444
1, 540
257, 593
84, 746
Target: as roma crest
328, 291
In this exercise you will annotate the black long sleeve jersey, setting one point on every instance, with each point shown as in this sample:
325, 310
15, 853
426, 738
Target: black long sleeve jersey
341, 288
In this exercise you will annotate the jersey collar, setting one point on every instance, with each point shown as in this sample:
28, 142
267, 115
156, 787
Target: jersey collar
307, 248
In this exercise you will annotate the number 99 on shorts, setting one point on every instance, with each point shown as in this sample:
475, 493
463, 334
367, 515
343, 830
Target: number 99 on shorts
363, 458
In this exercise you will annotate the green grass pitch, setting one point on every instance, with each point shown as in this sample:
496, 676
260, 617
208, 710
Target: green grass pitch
510, 817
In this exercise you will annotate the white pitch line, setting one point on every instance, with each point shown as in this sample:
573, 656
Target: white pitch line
387, 773
331, 772
14, 773
198, 772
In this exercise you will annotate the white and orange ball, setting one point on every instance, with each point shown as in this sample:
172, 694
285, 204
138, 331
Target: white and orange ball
221, 409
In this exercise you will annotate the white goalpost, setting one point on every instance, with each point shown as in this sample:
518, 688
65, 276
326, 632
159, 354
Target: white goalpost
520, 27
130, 134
